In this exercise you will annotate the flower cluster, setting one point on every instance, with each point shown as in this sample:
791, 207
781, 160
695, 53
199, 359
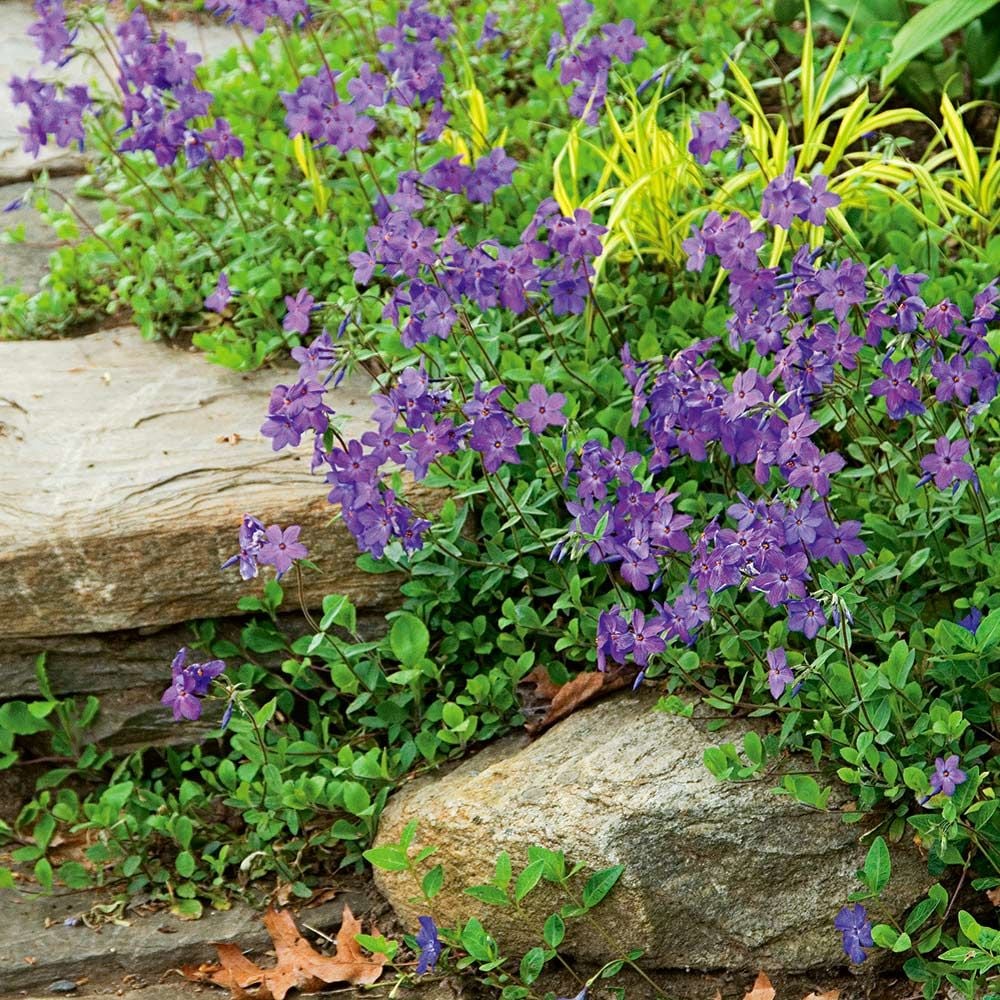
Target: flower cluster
50, 32
190, 683
272, 546
255, 14
49, 114
586, 64
712, 132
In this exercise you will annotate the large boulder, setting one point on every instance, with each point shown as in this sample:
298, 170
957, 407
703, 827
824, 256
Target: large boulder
717, 875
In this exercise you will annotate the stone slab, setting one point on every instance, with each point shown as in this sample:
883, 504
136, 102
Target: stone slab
33, 955
125, 467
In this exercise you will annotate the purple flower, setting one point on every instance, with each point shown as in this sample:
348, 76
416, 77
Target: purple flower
947, 463
856, 930
219, 299
496, 439
281, 548
621, 41
838, 542
297, 318
819, 201
947, 775
251, 536
779, 673
542, 409
189, 683
972, 620
712, 132
429, 944
491, 172
901, 395
956, 380
783, 577
841, 287
806, 616
316, 358
784, 198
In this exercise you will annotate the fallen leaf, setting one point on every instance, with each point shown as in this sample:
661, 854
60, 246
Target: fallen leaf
762, 989
298, 965
568, 697
993, 895
829, 995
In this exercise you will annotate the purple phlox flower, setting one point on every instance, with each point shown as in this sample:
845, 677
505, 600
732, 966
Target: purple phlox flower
316, 358
621, 41
189, 683
814, 469
646, 639
220, 298
779, 673
580, 238
942, 317
542, 409
795, 435
614, 637
221, 141
737, 244
297, 317
429, 944
712, 132
783, 576
280, 548
806, 616
251, 536
496, 439
449, 174
227, 715
367, 88
819, 201
901, 396
900, 286
785, 198
748, 390
947, 462
856, 931
491, 172
838, 542
956, 379
947, 775
50, 32
181, 699
841, 287
575, 16
972, 620
436, 123
490, 30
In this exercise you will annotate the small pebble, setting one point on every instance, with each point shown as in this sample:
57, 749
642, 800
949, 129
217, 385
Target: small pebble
63, 986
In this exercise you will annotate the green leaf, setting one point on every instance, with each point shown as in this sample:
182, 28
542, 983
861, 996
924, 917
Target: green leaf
390, 859
926, 28
6, 878
919, 915
528, 879
878, 866
356, 798
488, 894
554, 930
17, 718
433, 882
884, 935
409, 639
502, 873
600, 884
532, 965
185, 864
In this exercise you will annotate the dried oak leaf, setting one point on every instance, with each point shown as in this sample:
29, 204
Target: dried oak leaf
567, 698
298, 965
762, 989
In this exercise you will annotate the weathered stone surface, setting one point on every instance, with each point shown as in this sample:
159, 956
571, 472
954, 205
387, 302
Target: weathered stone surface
717, 876
125, 467
36, 947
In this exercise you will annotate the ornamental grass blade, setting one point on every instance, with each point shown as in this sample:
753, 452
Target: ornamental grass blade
297, 964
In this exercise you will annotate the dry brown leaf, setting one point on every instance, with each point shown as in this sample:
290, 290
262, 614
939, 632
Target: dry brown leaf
993, 895
762, 989
297, 964
829, 995
572, 695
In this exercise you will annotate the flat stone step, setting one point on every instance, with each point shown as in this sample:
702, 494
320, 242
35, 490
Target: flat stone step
125, 467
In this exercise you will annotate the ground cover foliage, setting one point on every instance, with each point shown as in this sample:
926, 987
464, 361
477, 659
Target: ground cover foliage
695, 324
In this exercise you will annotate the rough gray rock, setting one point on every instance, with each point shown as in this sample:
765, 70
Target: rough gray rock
717, 875
125, 467
36, 947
